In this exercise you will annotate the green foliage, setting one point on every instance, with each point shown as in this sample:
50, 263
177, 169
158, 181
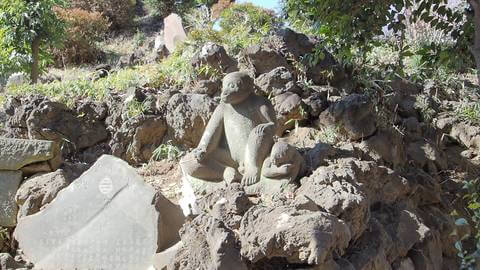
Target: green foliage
470, 112
139, 38
70, 90
135, 108
343, 24
176, 70
246, 24
163, 8
242, 25
470, 259
22, 22
351, 29
167, 151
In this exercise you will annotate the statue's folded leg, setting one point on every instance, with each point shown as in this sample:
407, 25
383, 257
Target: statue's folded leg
209, 169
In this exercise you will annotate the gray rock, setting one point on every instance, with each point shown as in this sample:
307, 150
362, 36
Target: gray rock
406, 230
297, 43
370, 251
315, 103
227, 204
466, 134
9, 182
326, 71
387, 148
337, 197
38, 191
264, 60
108, 218
187, 117
426, 155
147, 137
352, 115
54, 121
299, 236
276, 82
290, 111
209, 87
208, 244
16, 153
8, 263
135, 137
404, 264
216, 58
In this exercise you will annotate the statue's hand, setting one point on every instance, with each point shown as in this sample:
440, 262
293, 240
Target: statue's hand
251, 177
199, 153
285, 168
262, 129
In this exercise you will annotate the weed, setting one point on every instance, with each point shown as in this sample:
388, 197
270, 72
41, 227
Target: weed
135, 108
329, 135
470, 259
69, 91
470, 113
139, 38
167, 151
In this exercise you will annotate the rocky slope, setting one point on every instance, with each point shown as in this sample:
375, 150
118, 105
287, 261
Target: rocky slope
384, 172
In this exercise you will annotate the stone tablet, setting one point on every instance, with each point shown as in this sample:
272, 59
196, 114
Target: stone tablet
9, 182
16, 153
173, 31
106, 219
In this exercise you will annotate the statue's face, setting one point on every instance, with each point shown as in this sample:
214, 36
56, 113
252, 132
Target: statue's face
235, 88
279, 153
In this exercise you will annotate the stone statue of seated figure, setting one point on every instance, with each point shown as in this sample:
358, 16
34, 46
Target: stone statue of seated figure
284, 163
238, 135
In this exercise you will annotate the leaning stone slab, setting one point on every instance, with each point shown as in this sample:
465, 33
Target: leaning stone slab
173, 31
9, 182
16, 153
106, 219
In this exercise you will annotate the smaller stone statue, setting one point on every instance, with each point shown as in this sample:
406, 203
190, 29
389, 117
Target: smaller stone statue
284, 163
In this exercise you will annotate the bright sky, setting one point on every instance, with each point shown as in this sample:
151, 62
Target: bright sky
271, 4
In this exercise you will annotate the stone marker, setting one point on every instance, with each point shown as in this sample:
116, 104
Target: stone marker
9, 182
16, 153
173, 31
106, 219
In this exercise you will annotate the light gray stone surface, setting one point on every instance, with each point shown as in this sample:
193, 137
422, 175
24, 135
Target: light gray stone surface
16, 153
106, 219
9, 182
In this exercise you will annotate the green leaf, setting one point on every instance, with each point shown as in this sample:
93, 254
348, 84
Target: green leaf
474, 206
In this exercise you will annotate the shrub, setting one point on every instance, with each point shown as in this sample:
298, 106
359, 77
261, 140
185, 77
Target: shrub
163, 8
120, 13
84, 28
246, 24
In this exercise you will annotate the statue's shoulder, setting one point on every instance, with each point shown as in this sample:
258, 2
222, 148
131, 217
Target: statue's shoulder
261, 100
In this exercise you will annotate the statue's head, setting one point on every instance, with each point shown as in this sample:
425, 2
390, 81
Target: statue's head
280, 153
236, 87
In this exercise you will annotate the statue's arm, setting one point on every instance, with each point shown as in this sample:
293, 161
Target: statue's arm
272, 171
268, 114
258, 147
213, 132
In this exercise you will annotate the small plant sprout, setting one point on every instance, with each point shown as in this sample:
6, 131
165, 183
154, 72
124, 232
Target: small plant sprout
167, 151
